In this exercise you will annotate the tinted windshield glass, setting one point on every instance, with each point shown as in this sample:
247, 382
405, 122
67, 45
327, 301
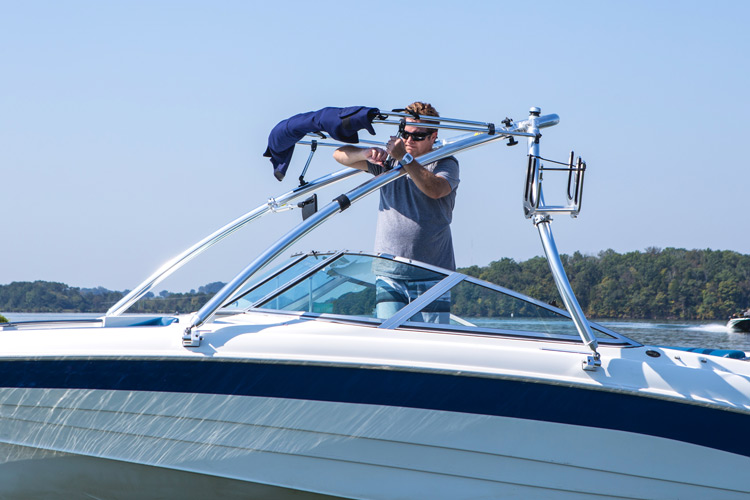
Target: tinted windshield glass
257, 292
470, 304
374, 287
357, 285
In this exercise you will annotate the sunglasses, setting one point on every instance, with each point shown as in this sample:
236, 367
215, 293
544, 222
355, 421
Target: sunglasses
417, 136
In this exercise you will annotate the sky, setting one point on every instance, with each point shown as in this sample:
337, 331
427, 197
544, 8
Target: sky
131, 129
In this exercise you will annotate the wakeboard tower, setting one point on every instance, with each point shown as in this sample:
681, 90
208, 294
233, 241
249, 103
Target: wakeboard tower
309, 129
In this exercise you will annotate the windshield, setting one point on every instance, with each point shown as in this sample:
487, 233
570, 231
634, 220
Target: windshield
471, 304
366, 286
275, 278
355, 285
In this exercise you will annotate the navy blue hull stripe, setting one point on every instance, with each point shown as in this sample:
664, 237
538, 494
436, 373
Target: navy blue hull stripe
714, 428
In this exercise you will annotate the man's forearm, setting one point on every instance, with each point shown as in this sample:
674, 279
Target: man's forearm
430, 184
352, 156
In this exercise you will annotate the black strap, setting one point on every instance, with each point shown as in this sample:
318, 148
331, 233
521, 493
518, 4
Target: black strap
404, 110
343, 201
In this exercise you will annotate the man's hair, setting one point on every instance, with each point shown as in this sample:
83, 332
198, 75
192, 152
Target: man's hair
424, 109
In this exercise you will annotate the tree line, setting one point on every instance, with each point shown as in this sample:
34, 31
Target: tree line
669, 283
52, 297
672, 283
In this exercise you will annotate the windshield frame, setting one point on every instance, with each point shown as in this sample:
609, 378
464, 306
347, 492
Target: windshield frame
400, 320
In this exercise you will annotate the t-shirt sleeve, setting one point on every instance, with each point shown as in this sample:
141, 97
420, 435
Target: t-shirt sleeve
374, 168
447, 168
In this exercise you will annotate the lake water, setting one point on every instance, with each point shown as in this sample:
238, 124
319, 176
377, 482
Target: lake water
664, 333
680, 333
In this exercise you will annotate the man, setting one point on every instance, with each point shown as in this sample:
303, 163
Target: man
415, 210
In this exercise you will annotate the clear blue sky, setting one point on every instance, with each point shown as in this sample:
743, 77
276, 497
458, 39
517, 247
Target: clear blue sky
129, 130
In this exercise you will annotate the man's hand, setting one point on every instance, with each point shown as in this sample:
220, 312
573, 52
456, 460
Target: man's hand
396, 147
355, 157
376, 156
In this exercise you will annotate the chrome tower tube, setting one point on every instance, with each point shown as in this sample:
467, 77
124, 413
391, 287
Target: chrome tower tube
186, 256
543, 225
563, 285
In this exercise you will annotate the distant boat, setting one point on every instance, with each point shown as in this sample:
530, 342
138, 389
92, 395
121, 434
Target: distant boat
739, 324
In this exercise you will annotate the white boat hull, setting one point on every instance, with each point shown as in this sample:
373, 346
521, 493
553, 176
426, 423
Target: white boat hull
130, 444
33, 474
274, 407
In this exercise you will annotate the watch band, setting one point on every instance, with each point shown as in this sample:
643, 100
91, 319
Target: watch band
407, 158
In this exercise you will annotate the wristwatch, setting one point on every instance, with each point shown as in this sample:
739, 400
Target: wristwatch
407, 158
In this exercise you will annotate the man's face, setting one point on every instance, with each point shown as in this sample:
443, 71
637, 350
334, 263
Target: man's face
415, 147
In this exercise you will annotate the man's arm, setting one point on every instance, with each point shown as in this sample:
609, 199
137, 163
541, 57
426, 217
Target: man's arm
355, 157
430, 184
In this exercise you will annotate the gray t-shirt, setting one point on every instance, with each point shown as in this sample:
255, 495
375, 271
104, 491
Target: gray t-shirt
413, 225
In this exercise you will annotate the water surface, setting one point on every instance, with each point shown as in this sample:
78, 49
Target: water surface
680, 333
664, 333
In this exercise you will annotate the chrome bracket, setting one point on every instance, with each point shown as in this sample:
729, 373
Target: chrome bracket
591, 363
275, 206
538, 219
192, 337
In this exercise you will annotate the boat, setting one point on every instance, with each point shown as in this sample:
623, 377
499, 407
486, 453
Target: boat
285, 384
739, 324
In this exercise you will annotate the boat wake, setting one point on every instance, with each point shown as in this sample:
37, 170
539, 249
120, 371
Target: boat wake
632, 325
713, 328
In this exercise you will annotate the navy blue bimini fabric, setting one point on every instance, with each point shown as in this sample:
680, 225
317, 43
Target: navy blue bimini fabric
342, 124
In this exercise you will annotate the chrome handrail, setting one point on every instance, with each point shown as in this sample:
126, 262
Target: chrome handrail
435, 118
511, 129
